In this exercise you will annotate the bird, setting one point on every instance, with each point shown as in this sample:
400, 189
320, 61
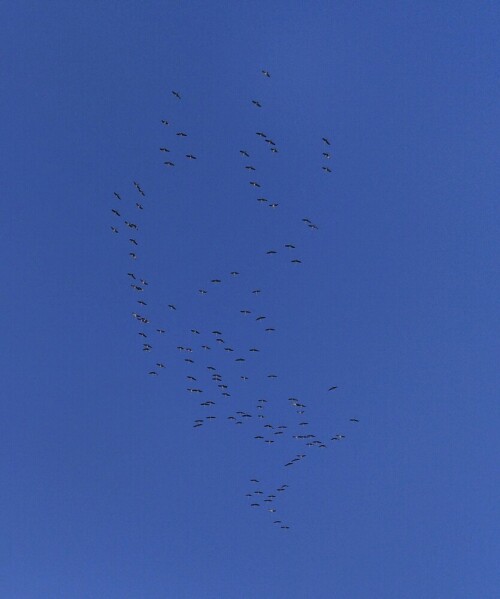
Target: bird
115, 212
257, 103
132, 255
164, 150
274, 205
133, 241
181, 134
326, 141
244, 153
254, 184
266, 73
333, 388
169, 163
296, 261
260, 134
164, 122
176, 94
271, 252
290, 246
274, 150
234, 273
353, 419
250, 168
139, 206
172, 307
202, 291
216, 281
117, 195
153, 373
190, 156
326, 169
326, 154
261, 200
114, 229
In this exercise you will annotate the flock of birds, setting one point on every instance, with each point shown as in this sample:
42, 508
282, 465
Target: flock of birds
215, 368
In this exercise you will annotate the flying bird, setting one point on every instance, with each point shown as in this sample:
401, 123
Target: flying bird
176, 94
326, 141
266, 73
257, 103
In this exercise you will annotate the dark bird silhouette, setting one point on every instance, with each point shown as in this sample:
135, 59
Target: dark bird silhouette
176, 94
172, 307
260, 134
164, 122
333, 388
117, 195
164, 150
115, 212
290, 246
114, 229
296, 261
254, 184
257, 103
191, 156
139, 206
181, 134
250, 168
326, 155
244, 153
326, 141
266, 73
353, 419
169, 163
326, 169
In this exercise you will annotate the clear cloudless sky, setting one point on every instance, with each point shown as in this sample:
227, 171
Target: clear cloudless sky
107, 490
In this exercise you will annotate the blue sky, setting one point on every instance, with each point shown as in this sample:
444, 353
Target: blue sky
108, 489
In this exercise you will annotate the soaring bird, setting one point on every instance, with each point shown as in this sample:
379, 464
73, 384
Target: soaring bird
114, 229
274, 150
260, 134
191, 156
326, 169
244, 153
254, 184
271, 252
164, 122
290, 246
164, 150
117, 195
169, 163
326, 141
181, 134
176, 94
115, 212
132, 255
133, 241
261, 200
216, 281
326, 155
266, 73
139, 206
274, 205
172, 307
256, 103
234, 273
333, 388
296, 261
250, 168
353, 419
